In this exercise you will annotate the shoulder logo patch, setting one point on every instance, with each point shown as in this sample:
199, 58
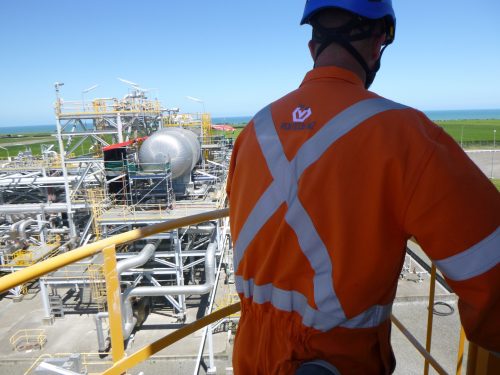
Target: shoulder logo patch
301, 114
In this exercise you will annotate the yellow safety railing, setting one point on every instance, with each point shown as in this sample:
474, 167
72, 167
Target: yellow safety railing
105, 106
90, 362
480, 361
27, 339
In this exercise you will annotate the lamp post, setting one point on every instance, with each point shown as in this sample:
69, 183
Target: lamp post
83, 95
202, 102
8, 155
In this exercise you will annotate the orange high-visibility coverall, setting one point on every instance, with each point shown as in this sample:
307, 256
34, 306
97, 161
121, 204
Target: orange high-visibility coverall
326, 185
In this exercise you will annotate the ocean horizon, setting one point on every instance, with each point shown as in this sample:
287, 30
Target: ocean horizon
435, 115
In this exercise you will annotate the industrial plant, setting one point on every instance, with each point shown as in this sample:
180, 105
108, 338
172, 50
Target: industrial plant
121, 164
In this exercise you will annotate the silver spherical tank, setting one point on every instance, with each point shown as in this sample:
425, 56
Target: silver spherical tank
178, 146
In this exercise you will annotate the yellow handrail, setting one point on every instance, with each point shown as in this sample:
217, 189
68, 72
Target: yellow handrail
482, 361
144, 353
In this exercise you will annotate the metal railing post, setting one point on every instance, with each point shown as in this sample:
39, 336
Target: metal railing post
114, 303
430, 316
211, 363
461, 344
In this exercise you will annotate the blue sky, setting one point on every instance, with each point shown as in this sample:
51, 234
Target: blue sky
235, 55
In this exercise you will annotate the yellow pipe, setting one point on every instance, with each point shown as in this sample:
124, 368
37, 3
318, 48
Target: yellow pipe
114, 303
142, 354
430, 316
39, 269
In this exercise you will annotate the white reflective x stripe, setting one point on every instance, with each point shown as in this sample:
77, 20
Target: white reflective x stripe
474, 261
284, 189
308, 153
293, 301
311, 244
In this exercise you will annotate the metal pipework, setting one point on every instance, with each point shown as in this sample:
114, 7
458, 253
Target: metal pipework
39, 269
151, 291
144, 255
129, 320
101, 341
37, 207
138, 260
23, 227
14, 227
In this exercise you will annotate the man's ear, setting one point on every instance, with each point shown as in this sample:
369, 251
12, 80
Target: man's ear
312, 48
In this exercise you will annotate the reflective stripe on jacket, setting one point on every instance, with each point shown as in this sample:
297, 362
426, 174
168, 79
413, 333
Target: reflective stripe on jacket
324, 193
329, 312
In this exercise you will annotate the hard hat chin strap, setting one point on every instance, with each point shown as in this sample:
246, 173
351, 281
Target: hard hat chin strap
343, 36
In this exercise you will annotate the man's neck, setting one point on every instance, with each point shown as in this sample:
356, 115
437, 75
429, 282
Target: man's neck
341, 62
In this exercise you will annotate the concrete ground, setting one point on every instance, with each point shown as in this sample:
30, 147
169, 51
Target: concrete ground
487, 160
76, 333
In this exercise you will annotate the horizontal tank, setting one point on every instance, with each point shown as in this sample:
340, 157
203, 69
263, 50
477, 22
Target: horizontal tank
178, 146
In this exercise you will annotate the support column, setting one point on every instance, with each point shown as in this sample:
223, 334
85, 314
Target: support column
179, 269
211, 365
72, 229
120, 127
48, 318
41, 227
114, 303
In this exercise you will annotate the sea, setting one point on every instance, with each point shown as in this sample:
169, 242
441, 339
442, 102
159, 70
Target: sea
470, 114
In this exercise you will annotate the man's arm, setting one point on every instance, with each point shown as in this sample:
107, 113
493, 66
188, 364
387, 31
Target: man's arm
454, 213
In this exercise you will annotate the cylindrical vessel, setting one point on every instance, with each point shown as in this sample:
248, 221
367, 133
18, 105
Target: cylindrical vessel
178, 146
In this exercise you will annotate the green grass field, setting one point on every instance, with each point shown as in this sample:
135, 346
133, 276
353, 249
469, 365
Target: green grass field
11, 146
468, 133
496, 182
472, 133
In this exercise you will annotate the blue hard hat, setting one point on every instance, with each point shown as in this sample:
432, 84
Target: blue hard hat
373, 9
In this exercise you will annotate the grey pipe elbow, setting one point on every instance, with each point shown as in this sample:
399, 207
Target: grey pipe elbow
23, 227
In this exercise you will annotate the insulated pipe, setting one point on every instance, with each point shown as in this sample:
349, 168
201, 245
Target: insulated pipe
151, 291
138, 260
199, 229
23, 227
38, 207
101, 341
14, 227
58, 230
144, 255
129, 320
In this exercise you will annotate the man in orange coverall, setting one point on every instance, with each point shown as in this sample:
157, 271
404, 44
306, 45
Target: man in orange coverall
326, 185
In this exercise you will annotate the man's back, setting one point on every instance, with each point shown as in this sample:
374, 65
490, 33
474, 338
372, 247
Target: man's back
320, 214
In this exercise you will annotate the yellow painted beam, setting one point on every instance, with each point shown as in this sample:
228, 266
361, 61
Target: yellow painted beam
114, 305
37, 270
142, 354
